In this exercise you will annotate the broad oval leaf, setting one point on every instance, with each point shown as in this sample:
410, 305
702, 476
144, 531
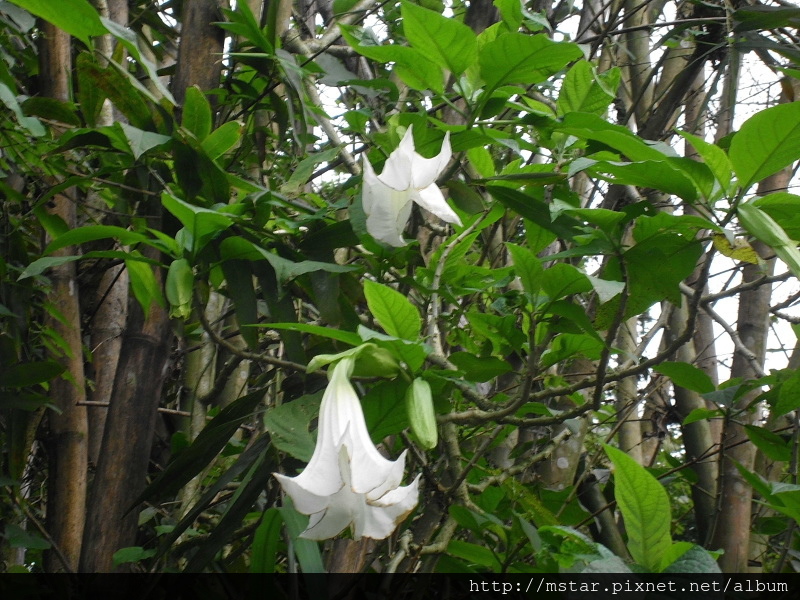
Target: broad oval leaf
766, 143
393, 311
446, 42
645, 508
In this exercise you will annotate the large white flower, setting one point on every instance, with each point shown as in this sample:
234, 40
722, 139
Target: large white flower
348, 482
407, 177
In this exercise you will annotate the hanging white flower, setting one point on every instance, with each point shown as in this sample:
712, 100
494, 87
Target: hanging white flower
407, 177
348, 482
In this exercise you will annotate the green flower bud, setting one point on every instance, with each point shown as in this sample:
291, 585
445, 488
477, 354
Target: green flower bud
419, 405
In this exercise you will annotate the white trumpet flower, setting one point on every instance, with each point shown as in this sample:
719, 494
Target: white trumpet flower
348, 482
407, 177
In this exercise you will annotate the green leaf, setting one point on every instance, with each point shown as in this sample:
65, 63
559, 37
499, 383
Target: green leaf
144, 284
32, 124
303, 171
444, 41
16, 537
236, 247
475, 555
307, 551
288, 425
695, 559
585, 91
121, 90
239, 285
51, 109
479, 368
385, 409
348, 337
128, 38
141, 141
233, 513
525, 59
701, 414
197, 116
660, 175
534, 209
180, 288
202, 224
131, 554
766, 143
645, 507
687, 376
563, 279
266, 539
714, 157
528, 268
593, 127
91, 233
771, 444
393, 311
788, 397
409, 64
222, 139
32, 373
784, 208
76, 17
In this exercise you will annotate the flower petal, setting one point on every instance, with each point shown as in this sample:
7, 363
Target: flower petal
305, 501
425, 171
431, 199
388, 213
398, 170
380, 520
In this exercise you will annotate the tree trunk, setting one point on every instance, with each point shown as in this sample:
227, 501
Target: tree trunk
67, 447
122, 468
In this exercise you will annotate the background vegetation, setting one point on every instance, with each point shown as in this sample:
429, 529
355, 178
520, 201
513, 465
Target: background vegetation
606, 336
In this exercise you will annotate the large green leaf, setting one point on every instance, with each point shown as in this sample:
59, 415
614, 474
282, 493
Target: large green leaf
32, 373
266, 541
393, 311
585, 91
91, 233
202, 224
588, 126
144, 284
141, 141
288, 425
528, 268
766, 143
687, 376
771, 444
788, 397
409, 63
222, 139
525, 59
384, 409
128, 38
714, 157
76, 17
694, 560
645, 507
445, 41
197, 116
